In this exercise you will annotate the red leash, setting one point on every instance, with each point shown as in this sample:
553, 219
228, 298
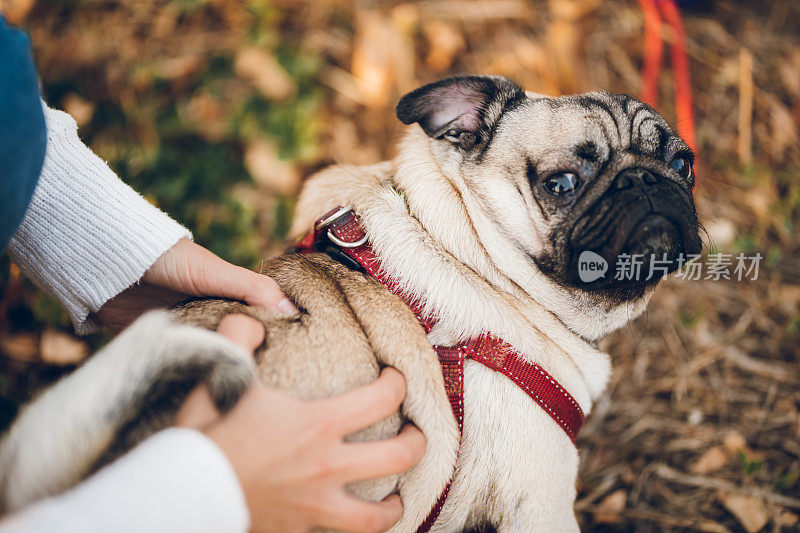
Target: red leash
657, 12
340, 234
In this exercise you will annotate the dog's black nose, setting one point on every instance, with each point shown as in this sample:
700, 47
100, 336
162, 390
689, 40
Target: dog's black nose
626, 178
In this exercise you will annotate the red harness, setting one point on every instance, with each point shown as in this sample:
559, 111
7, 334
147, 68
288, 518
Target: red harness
340, 234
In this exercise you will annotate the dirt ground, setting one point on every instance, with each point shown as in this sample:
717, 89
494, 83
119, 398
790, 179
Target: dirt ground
700, 426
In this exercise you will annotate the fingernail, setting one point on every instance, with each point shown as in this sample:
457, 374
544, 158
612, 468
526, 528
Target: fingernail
286, 307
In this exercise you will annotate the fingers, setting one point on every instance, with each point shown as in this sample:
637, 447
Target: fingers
366, 405
245, 331
350, 514
198, 410
220, 278
367, 460
255, 289
189, 268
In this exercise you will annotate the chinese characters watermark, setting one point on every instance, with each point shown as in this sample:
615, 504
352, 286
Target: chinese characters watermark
636, 267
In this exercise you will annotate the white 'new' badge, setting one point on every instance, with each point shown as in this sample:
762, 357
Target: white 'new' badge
591, 266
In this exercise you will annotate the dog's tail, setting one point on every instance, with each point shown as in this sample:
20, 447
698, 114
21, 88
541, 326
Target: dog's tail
94, 415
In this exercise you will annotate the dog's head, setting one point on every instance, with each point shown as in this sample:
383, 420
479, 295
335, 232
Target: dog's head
580, 184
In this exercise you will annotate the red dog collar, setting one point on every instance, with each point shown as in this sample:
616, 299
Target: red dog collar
339, 233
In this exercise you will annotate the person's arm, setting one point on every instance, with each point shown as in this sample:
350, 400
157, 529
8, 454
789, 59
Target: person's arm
86, 236
106, 253
178, 480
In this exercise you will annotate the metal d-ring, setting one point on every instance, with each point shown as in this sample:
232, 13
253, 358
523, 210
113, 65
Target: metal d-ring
327, 221
345, 244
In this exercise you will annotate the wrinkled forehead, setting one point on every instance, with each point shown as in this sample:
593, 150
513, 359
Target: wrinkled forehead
594, 124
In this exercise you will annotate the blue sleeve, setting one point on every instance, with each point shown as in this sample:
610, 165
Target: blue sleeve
23, 133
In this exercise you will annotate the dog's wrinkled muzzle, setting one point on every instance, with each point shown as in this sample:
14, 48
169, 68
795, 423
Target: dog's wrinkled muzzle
642, 215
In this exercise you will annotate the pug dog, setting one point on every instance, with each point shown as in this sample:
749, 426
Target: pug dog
483, 219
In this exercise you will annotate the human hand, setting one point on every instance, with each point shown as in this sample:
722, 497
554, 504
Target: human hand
188, 269
290, 456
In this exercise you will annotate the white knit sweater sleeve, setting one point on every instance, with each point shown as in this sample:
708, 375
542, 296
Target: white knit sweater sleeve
86, 236
177, 480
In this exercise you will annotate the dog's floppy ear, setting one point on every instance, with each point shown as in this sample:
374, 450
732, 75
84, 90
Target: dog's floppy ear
462, 109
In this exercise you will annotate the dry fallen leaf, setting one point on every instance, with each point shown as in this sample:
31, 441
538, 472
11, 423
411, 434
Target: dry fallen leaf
180, 70
262, 161
573, 9
58, 348
789, 72
208, 116
750, 512
371, 62
444, 42
721, 232
788, 519
263, 71
15, 11
383, 53
734, 442
472, 12
783, 129
712, 460
22, 346
608, 510
80, 109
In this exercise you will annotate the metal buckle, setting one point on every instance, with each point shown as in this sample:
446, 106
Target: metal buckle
327, 221
330, 219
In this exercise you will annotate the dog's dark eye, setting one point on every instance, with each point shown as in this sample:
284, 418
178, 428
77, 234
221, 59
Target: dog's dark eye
681, 166
561, 184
